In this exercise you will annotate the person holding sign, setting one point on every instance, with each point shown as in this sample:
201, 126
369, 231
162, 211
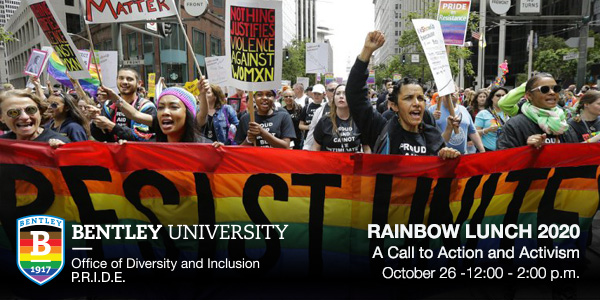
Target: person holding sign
112, 125
538, 121
405, 133
218, 120
22, 112
338, 132
272, 129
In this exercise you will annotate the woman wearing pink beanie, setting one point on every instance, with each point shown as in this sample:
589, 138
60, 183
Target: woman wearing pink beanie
175, 116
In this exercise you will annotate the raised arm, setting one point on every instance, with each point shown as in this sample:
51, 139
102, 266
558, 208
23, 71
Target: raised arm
509, 103
203, 87
79, 90
126, 108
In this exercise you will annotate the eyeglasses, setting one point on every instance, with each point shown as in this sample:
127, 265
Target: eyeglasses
288, 96
500, 95
544, 89
331, 90
16, 112
54, 105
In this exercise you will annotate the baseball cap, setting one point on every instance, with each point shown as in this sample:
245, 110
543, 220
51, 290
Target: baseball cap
319, 88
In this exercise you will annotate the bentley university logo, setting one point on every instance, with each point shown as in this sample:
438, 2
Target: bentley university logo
40, 247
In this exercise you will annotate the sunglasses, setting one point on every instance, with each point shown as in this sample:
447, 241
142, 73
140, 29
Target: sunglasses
544, 89
54, 105
16, 112
288, 96
331, 90
500, 95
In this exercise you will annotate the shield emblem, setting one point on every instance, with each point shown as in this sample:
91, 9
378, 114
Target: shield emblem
40, 247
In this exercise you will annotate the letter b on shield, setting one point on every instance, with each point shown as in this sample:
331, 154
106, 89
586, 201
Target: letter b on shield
40, 247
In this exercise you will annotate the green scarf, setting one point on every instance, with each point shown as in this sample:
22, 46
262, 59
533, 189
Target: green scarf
551, 121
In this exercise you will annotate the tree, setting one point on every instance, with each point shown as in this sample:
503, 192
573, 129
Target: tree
294, 65
5, 36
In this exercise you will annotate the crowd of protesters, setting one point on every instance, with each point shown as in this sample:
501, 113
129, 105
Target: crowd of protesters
403, 118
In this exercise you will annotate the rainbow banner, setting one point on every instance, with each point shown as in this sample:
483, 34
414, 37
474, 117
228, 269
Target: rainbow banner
454, 18
326, 200
57, 70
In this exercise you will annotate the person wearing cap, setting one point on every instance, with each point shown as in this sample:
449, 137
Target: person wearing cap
271, 128
319, 113
175, 119
308, 112
109, 123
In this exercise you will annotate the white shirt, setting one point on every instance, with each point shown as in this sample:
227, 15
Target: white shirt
301, 100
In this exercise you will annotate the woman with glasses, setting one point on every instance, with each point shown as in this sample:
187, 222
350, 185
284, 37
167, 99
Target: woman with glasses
490, 120
271, 129
338, 132
67, 118
22, 112
538, 121
294, 109
218, 120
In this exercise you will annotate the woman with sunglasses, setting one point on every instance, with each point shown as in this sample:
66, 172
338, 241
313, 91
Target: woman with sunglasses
22, 112
271, 129
67, 118
537, 121
338, 132
294, 109
490, 120
586, 126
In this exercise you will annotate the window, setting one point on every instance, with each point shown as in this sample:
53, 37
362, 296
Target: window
73, 23
218, 3
70, 2
132, 45
175, 41
199, 42
148, 44
215, 46
108, 45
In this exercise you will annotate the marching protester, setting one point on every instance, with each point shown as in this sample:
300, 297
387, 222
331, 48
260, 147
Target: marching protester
404, 134
387, 89
586, 126
475, 102
21, 112
491, 119
67, 118
110, 124
218, 121
271, 129
338, 132
308, 112
319, 113
462, 127
538, 121
301, 98
294, 109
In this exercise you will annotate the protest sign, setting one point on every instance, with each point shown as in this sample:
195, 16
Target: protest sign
151, 85
454, 18
305, 81
327, 202
319, 58
108, 63
58, 71
432, 40
329, 78
396, 77
119, 11
339, 80
192, 87
253, 43
286, 83
59, 39
371, 78
86, 58
217, 70
36, 62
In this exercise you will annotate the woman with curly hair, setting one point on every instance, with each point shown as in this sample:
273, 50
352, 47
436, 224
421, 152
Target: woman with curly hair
477, 103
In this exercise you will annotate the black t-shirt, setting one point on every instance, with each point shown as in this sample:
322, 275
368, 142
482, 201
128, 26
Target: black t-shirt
45, 136
295, 115
209, 129
584, 130
345, 139
278, 124
518, 128
404, 142
308, 113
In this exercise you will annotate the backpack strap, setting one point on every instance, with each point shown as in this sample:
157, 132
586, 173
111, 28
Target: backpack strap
382, 144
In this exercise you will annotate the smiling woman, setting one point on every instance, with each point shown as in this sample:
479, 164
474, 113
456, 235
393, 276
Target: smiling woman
22, 112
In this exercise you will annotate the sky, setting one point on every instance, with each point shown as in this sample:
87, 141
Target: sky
350, 20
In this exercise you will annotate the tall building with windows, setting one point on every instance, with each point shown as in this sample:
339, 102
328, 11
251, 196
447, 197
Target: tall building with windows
7, 9
306, 20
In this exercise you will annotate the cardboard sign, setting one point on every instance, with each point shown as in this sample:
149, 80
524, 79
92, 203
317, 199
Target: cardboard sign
217, 70
108, 63
454, 18
151, 85
253, 43
36, 62
397, 76
118, 11
86, 57
192, 87
305, 81
432, 40
319, 58
59, 39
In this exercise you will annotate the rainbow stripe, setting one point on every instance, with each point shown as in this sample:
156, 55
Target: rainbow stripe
57, 70
40, 267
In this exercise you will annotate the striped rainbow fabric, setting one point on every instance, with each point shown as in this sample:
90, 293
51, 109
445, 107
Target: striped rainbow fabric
45, 266
57, 69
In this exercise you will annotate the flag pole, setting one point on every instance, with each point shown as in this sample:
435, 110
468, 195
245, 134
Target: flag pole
187, 39
90, 40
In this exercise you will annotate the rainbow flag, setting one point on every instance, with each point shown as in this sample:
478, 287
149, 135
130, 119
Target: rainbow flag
57, 70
